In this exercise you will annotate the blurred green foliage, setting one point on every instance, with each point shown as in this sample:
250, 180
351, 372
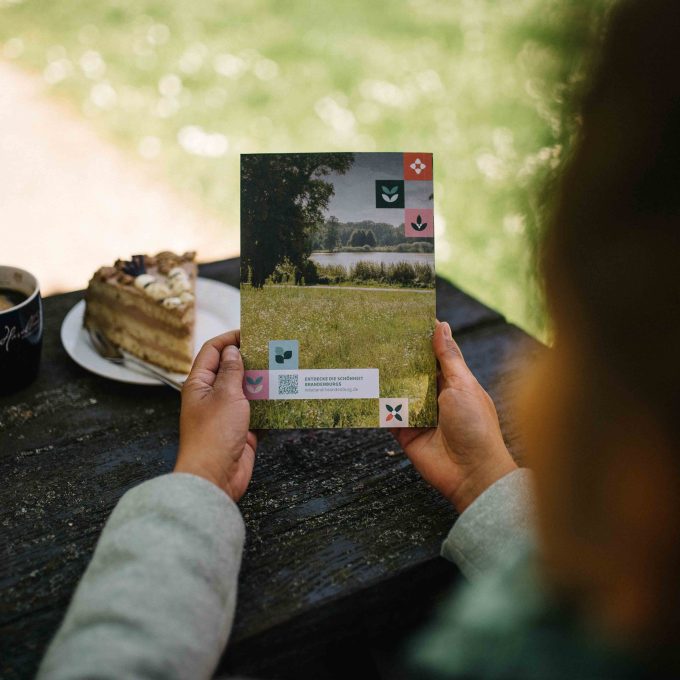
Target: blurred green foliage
484, 84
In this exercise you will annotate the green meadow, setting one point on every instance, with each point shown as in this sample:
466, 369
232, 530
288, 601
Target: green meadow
340, 328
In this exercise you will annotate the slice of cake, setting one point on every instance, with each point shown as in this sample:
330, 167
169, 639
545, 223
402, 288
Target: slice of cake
147, 307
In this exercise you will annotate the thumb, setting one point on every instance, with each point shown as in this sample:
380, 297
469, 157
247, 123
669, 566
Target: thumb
230, 372
448, 353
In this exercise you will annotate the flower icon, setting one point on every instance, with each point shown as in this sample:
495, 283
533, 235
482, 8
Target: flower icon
417, 166
393, 412
419, 225
254, 385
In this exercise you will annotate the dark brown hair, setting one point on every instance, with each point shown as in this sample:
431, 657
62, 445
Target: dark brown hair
614, 240
611, 264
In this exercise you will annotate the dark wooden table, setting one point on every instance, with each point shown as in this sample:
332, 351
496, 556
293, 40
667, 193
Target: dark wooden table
343, 536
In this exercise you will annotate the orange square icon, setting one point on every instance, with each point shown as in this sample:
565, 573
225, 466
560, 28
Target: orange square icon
418, 166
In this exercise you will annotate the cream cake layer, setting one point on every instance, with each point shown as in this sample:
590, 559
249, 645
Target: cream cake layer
99, 315
132, 304
137, 340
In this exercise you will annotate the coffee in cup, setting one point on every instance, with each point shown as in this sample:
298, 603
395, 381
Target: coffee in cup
21, 328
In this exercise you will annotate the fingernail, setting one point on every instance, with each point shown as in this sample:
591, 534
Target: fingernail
231, 352
447, 330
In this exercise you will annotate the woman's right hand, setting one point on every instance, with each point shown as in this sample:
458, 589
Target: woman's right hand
465, 454
214, 440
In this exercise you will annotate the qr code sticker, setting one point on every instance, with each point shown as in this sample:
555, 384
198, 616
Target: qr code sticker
288, 384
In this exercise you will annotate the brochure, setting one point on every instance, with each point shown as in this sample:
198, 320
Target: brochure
338, 289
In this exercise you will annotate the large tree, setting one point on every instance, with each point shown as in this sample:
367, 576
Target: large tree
283, 199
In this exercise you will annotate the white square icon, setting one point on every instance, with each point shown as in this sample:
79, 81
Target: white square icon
394, 412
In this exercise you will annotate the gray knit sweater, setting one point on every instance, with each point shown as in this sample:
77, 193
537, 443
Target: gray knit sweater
157, 600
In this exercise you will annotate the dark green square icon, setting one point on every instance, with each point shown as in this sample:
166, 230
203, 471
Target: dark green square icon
389, 193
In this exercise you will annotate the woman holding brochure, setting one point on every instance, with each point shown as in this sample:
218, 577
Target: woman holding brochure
572, 564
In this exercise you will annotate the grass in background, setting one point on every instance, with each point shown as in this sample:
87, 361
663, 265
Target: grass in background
387, 330
187, 86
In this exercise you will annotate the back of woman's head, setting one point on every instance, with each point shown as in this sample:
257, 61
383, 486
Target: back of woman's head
614, 243
603, 423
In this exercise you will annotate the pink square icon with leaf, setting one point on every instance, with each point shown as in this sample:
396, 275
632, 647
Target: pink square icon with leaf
256, 384
418, 222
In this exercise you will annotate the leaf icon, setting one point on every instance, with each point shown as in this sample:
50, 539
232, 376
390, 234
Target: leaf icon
287, 354
398, 408
387, 190
279, 358
252, 381
389, 417
390, 199
389, 408
278, 350
258, 380
398, 417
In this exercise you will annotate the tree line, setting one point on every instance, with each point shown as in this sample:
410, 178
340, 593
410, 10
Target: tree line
402, 274
335, 235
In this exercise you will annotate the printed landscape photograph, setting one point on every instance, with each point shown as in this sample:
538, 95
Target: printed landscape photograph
338, 273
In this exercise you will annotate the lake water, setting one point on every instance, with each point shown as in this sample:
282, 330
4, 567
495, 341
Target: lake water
348, 259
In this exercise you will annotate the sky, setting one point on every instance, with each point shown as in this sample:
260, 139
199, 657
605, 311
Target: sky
354, 198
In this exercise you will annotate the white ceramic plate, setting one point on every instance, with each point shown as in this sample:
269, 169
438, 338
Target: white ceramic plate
217, 310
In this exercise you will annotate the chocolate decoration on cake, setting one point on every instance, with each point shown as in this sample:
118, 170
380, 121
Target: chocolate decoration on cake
136, 266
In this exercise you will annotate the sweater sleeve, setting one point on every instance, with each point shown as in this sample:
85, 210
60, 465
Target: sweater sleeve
157, 599
494, 527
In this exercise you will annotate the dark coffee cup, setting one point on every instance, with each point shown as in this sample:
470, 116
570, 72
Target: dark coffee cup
21, 328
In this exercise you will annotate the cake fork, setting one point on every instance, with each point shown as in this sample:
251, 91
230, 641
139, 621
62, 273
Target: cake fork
107, 350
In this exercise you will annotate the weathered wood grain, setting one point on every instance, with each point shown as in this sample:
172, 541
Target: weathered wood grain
342, 534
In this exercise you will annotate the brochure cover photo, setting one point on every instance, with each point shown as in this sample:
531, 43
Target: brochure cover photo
338, 289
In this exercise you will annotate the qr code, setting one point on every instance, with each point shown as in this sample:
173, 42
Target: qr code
288, 384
